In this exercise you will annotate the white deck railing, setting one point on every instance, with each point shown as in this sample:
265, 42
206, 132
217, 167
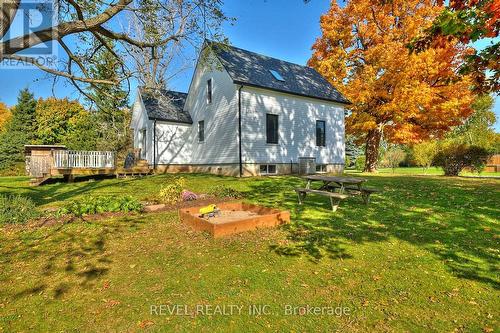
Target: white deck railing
83, 159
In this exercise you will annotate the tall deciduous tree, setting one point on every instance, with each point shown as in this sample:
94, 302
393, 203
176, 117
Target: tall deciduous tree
85, 26
469, 21
478, 129
404, 97
20, 130
61, 121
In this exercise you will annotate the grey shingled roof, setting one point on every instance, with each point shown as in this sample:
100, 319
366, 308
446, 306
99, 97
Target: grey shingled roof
253, 69
165, 105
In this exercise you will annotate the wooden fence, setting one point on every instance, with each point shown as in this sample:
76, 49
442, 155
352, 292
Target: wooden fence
72, 159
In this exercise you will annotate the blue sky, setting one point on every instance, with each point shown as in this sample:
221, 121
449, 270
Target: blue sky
284, 29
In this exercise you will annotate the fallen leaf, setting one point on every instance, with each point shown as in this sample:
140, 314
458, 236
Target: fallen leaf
105, 285
110, 303
145, 323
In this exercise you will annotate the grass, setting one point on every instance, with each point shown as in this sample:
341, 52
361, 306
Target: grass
423, 256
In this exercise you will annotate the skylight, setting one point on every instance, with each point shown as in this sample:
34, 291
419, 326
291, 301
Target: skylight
277, 75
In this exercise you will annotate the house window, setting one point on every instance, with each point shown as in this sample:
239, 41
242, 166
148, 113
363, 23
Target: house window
271, 128
201, 131
320, 168
143, 142
268, 169
320, 133
209, 91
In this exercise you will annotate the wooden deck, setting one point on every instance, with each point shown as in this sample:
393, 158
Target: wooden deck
46, 163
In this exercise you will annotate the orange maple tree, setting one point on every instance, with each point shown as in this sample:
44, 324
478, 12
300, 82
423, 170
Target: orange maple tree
401, 96
5, 115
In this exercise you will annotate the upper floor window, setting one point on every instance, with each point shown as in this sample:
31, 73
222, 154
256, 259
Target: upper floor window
271, 128
201, 131
320, 133
209, 91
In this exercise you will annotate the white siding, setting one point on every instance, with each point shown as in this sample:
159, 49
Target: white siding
178, 143
140, 121
297, 128
173, 143
221, 116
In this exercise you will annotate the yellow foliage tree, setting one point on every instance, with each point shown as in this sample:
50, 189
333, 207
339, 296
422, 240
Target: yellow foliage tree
403, 96
5, 115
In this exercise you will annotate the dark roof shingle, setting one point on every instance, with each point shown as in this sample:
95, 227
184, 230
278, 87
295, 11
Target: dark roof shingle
253, 69
165, 105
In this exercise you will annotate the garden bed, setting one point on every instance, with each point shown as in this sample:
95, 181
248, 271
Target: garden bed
235, 217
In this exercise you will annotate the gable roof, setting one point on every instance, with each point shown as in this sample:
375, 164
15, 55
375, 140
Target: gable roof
165, 105
253, 69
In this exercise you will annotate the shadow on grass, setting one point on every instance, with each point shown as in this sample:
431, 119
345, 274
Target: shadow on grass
73, 255
449, 217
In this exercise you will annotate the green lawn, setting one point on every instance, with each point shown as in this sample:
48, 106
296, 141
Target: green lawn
423, 256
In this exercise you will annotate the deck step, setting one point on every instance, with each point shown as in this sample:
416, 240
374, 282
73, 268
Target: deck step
37, 181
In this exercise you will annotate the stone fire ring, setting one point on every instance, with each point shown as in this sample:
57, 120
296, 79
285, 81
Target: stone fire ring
252, 217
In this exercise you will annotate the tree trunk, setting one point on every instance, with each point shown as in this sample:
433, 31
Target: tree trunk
371, 149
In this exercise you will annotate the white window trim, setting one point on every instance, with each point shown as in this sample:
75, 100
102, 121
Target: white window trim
211, 99
319, 165
266, 173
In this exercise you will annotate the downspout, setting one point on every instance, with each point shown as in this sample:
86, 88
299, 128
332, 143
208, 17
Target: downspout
239, 130
154, 145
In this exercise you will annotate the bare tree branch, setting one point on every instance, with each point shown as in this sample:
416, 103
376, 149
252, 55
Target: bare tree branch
17, 44
8, 12
34, 62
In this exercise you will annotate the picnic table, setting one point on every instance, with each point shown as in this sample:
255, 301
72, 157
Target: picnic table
341, 182
335, 187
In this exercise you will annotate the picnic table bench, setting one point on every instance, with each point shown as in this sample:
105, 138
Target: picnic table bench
335, 187
334, 197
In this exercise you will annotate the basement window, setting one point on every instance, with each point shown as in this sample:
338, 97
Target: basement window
321, 168
268, 169
277, 75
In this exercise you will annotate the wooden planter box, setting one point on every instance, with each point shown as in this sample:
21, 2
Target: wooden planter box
265, 218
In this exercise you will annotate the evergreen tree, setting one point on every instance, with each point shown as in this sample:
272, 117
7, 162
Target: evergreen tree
19, 131
112, 116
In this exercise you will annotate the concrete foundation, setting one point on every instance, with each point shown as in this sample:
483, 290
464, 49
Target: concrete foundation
249, 169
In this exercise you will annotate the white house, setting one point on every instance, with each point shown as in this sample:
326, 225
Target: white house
244, 114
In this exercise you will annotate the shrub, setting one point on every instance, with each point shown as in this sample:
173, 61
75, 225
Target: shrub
348, 162
101, 204
454, 158
171, 193
360, 162
17, 209
393, 157
223, 191
424, 153
478, 158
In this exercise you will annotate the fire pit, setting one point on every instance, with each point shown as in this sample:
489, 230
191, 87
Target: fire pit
234, 217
